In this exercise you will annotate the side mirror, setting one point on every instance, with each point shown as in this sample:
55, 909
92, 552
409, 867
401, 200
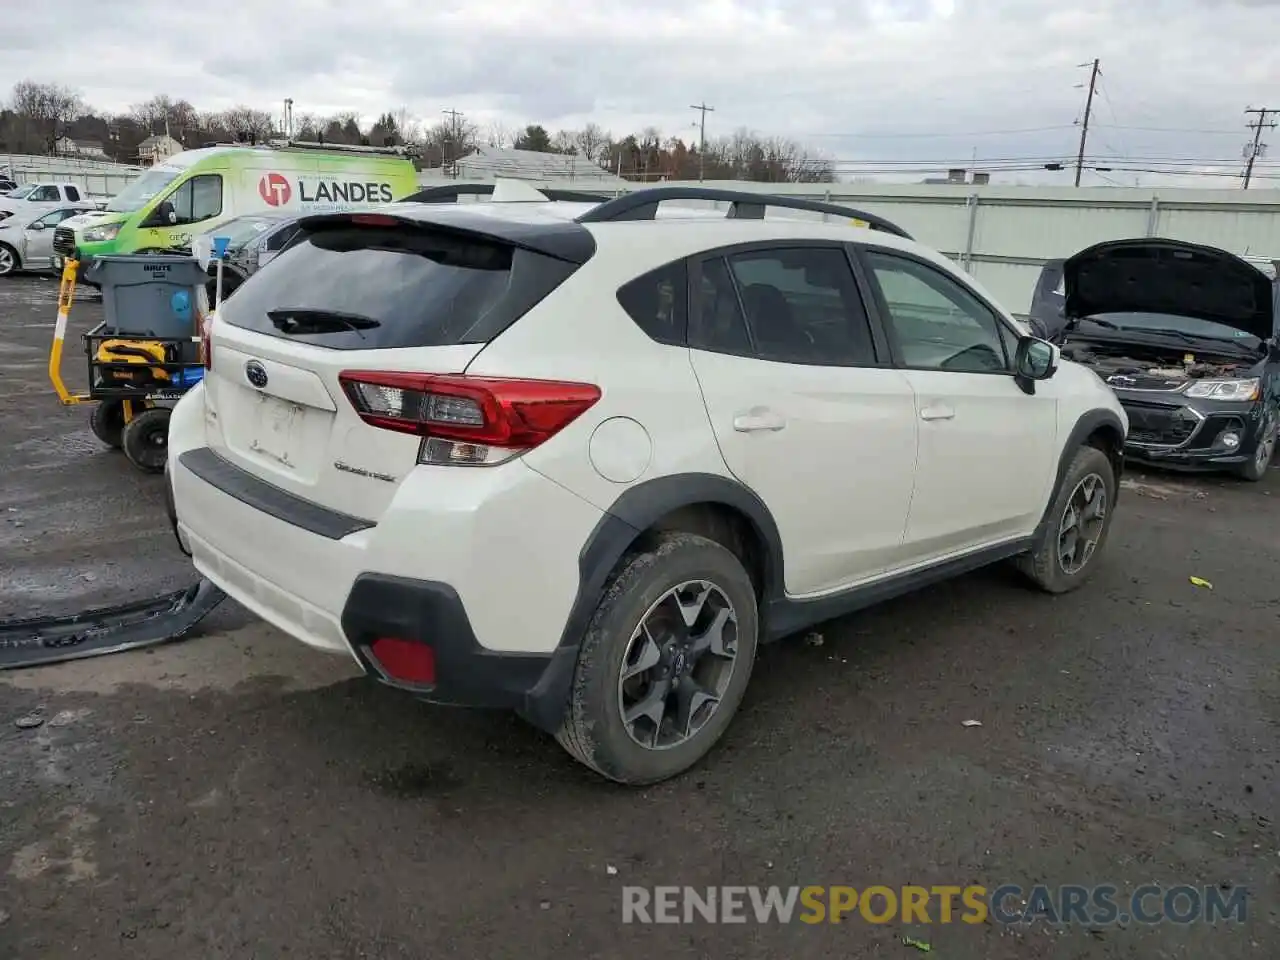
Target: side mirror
1035, 360
35, 226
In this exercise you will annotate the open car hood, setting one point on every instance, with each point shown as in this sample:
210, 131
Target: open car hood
1169, 276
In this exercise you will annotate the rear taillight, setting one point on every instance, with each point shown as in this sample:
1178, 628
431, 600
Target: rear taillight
467, 421
206, 341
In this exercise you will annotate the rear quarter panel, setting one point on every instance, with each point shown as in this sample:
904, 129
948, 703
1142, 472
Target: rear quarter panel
581, 333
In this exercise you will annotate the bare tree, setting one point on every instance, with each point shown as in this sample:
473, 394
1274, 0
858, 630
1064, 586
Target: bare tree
45, 109
593, 142
248, 123
410, 127
498, 134
307, 127
564, 141
151, 113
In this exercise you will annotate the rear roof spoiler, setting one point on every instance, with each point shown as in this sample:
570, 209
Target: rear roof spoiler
563, 240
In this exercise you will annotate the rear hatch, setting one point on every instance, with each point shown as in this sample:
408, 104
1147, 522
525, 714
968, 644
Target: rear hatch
1169, 277
324, 367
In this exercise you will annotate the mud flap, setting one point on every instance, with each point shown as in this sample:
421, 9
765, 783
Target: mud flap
145, 623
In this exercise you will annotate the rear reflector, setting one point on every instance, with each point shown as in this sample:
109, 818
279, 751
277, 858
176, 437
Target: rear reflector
405, 661
467, 421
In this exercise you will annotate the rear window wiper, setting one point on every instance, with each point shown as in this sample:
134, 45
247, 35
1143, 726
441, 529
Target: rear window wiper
313, 320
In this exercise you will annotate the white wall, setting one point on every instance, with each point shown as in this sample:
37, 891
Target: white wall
97, 177
1003, 235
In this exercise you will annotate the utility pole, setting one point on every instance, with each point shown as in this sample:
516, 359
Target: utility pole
1253, 151
702, 137
451, 142
1084, 124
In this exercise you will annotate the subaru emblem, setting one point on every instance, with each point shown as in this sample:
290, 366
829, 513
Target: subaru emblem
256, 374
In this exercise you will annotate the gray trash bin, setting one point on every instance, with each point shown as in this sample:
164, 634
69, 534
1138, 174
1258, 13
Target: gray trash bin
148, 295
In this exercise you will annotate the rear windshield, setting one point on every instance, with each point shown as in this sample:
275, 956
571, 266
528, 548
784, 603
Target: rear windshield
357, 287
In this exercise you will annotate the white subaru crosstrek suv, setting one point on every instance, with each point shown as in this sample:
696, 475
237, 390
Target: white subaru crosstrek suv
579, 459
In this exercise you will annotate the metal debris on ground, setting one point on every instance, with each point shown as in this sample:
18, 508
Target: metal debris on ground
1200, 582
971, 723
29, 722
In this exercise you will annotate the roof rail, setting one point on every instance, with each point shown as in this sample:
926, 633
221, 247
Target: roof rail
451, 193
743, 205
279, 143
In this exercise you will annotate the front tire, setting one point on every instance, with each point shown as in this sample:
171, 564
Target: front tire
1077, 525
10, 262
146, 439
664, 662
1264, 453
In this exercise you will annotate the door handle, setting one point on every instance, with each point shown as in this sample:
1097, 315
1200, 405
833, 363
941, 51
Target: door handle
938, 411
757, 419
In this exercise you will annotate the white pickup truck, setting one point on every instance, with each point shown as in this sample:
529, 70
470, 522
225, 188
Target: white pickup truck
32, 199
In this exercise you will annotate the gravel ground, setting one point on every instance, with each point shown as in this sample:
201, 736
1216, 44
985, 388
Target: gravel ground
239, 796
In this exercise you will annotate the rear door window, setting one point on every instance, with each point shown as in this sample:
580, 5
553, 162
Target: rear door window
351, 286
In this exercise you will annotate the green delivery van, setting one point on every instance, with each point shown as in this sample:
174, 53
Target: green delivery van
196, 190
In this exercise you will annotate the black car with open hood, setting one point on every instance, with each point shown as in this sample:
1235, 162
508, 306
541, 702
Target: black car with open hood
1185, 336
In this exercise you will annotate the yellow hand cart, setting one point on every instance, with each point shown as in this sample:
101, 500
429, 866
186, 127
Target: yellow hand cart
134, 380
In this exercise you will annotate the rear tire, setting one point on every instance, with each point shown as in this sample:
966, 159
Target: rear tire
703, 668
146, 439
1064, 556
107, 422
1256, 469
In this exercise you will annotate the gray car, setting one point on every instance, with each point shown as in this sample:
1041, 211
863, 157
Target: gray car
27, 244
254, 240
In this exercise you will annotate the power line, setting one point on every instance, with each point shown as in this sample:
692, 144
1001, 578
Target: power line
702, 137
964, 134
1084, 125
1257, 148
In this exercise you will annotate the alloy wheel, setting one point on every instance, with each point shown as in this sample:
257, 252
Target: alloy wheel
6, 261
1082, 522
1266, 449
678, 665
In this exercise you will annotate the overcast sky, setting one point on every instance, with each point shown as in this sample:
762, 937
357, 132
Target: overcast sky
877, 81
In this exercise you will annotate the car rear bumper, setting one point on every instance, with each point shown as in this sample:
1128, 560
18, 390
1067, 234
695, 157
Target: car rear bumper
487, 583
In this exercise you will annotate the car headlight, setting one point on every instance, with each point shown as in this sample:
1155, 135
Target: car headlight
99, 234
1247, 389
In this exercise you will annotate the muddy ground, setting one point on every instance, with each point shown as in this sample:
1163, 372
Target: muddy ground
239, 796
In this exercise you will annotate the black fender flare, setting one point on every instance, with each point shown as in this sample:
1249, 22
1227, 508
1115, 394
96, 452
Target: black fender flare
1088, 424
636, 510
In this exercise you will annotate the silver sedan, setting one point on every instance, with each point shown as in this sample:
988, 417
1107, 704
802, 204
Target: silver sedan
28, 244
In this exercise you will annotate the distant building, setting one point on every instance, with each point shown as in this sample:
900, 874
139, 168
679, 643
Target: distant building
89, 149
157, 149
485, 163
959, 175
